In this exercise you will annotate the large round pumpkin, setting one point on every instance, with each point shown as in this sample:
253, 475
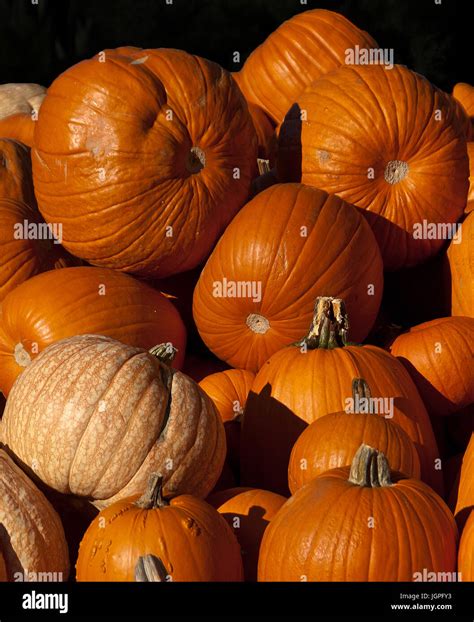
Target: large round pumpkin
332, 441
461, 263
94, 417
84, 300
156, 539
144, 156
248, 511
466, 551
390, 143
313, 378
439, 356
302, 49
288, 245
360, 523
19, 107
31, 535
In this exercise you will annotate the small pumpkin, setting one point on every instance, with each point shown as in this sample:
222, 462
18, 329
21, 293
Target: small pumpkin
465, 498
19, 107
288, 245
332, 441
313, 378
93, 417
298, 52
409, 184
439, 355
187, 538
248, 511
229, 390
83, 300
148, 190
31, 535
360, 523
466, 551
461, 263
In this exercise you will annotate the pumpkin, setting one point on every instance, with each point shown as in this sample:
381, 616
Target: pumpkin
75, 301
189, 540
93, 417
360, 523
438, 355
470, 194
288, 245
465, 498
464, 94
248, 511
399, 154
229, 390
16, 181
19, 107
143, 178
313, 378
31, 535
301, 50
332, 440
461, 263
466, 551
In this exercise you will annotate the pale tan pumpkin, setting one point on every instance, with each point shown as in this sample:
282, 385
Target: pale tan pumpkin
31, 535
94, 417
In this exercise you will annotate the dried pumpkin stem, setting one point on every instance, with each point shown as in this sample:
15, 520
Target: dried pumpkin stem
263, 166
164, 352
152, 498
330, 325
370, 468
150, 568
360, 390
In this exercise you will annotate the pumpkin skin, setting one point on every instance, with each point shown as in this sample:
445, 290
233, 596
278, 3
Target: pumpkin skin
322, 532
96, 398
190, 539
291, 390
254, 509
32, 538
398, 178
50, 307
301, 50
438, 355
465, 498
264, 244
466, 550
461, 263
464, 94
18, 103
333, 440
167, 160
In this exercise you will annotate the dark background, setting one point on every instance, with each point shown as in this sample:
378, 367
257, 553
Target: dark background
37, 42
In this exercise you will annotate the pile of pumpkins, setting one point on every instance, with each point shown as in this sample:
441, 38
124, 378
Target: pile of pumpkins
204, 378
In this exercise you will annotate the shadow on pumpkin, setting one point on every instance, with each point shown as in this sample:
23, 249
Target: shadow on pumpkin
11, 558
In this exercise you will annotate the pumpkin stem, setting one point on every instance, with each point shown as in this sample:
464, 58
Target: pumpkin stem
152, 498
330, 325
263, 166
360, 390
164, 352
150, 568
370, 468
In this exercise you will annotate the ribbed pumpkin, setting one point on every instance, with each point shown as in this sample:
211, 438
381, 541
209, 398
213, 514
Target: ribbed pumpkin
301, 50
288, 245
461, 263
333, 440
248, 511
313, 378
93, 417
181, 539
359, 523
83, 300
18, 104
465, 499
31, 535
439, 356
464, 94
466, 550
229, 390
390, 143
144, 156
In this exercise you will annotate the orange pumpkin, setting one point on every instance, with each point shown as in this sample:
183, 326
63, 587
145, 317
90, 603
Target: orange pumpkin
77, 301
19, 107
301, 50
466, 551
143, 178
332, 440
288, 245
464, 94
439, 355
465, 498
189, 540
360, 523
248, 511
461, 263
313, 378
410, 178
